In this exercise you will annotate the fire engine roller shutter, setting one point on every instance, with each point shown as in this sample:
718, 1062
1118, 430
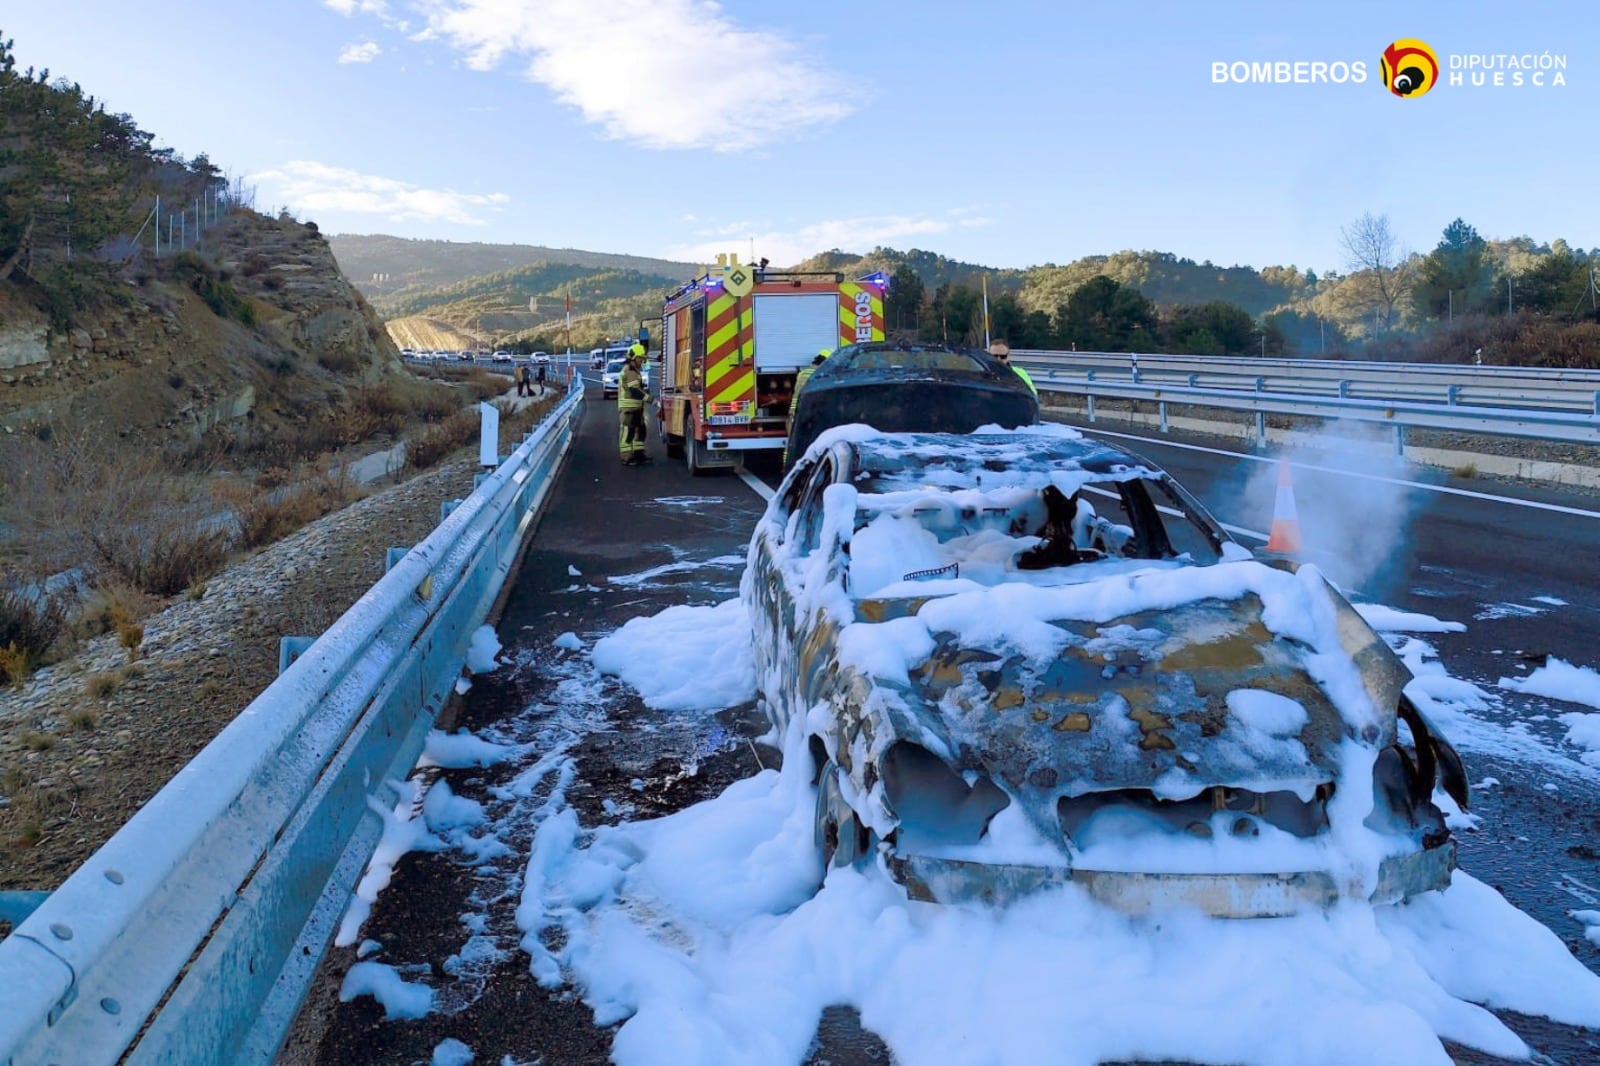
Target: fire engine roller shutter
792, 329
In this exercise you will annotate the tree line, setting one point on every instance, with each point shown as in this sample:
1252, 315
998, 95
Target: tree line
76, 181
1102, 314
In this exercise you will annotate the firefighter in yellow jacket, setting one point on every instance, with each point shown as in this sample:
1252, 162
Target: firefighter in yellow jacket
800, 380
631, 398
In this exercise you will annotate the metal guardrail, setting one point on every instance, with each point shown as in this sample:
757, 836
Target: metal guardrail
1539, 388
192, 935
1493, 421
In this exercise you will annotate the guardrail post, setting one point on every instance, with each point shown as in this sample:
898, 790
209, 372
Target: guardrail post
1344, 390
1399, 442
1450, 395
1261, 429
1162, 407
1194, 380
1088, 375
446, 506
1090, 398
393, 556
290, 649
1597, 404
1261, 384
16, 905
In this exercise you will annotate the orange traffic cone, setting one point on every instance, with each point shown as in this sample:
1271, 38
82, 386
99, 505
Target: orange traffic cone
1285, 533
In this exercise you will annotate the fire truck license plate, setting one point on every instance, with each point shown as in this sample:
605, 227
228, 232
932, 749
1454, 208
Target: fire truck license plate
727, 420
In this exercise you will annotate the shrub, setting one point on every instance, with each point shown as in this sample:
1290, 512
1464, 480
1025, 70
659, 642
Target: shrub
341, 361
164, 554
436, 442
30, 622
273, 515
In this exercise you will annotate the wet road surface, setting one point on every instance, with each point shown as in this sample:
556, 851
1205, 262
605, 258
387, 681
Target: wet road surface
615, 543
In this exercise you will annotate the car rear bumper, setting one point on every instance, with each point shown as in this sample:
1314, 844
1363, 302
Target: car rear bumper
1251, 895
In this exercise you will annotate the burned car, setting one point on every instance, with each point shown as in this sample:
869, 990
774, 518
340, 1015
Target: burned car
901, 387
1024, 659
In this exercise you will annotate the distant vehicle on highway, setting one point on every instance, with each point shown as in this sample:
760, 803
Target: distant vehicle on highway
613, 373
501, 357
541, 357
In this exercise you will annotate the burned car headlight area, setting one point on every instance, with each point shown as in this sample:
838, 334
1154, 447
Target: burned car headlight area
1026, 659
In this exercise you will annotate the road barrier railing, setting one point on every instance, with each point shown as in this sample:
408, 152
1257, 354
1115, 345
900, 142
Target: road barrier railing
1546, 388
193, 934
1399, 416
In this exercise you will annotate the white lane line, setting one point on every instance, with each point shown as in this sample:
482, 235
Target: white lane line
756, 483
1535, 504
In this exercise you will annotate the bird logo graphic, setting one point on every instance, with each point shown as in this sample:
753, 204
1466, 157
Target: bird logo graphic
1410, 67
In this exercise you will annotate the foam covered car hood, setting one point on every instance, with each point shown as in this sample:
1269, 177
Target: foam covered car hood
1143, 703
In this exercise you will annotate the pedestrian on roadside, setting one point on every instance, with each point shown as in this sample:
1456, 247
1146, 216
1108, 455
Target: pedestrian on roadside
631, 398
1002, 353
522, 380
541, 378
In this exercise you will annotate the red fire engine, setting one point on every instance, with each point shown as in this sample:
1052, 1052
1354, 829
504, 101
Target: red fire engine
732, 341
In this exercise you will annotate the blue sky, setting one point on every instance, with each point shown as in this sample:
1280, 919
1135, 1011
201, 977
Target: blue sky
1005, 133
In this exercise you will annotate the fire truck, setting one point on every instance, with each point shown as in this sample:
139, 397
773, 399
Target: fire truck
732, 341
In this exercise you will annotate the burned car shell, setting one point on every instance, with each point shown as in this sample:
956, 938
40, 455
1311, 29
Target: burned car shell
972, 729
900, 387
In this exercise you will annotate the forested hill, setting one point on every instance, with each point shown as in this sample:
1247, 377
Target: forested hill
423, 264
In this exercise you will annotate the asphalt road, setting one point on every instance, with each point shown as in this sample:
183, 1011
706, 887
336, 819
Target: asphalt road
617, 543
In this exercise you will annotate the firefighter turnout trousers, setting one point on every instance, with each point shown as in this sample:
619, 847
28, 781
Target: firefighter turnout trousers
630, 414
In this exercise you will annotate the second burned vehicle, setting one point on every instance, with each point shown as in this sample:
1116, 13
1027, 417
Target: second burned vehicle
931, 388
1025, 659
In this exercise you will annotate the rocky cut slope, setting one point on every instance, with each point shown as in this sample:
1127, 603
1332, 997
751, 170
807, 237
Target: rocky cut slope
256, 326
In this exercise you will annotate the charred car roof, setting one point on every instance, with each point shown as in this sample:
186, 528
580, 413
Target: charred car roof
910, 388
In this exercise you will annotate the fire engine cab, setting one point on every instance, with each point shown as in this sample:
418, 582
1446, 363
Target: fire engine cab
732, 341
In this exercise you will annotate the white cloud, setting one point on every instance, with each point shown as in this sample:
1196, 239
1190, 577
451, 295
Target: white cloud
663, 73
358, 7
311, 188
365, 52
788, 247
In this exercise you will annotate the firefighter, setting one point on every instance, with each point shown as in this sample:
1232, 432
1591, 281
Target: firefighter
631, 398
1002, 352
800, 380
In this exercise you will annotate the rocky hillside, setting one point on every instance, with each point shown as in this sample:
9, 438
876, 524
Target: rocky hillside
256, 326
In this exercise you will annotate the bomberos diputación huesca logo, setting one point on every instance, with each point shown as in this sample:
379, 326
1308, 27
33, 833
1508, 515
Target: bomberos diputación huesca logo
1410, 67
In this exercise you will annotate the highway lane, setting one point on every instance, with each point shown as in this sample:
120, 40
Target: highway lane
1489, 554
618, 543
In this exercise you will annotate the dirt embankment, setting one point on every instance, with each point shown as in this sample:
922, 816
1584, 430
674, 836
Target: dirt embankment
256, 327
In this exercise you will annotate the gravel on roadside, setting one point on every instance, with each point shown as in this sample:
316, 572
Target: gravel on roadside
85, 742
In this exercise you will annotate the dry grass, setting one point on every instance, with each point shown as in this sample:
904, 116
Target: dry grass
102, 684
1465, 470
265, 517
35, 740
110, 605
83, 720
80, 500
437, 442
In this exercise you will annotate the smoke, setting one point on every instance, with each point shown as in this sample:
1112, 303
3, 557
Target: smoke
1355, 518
